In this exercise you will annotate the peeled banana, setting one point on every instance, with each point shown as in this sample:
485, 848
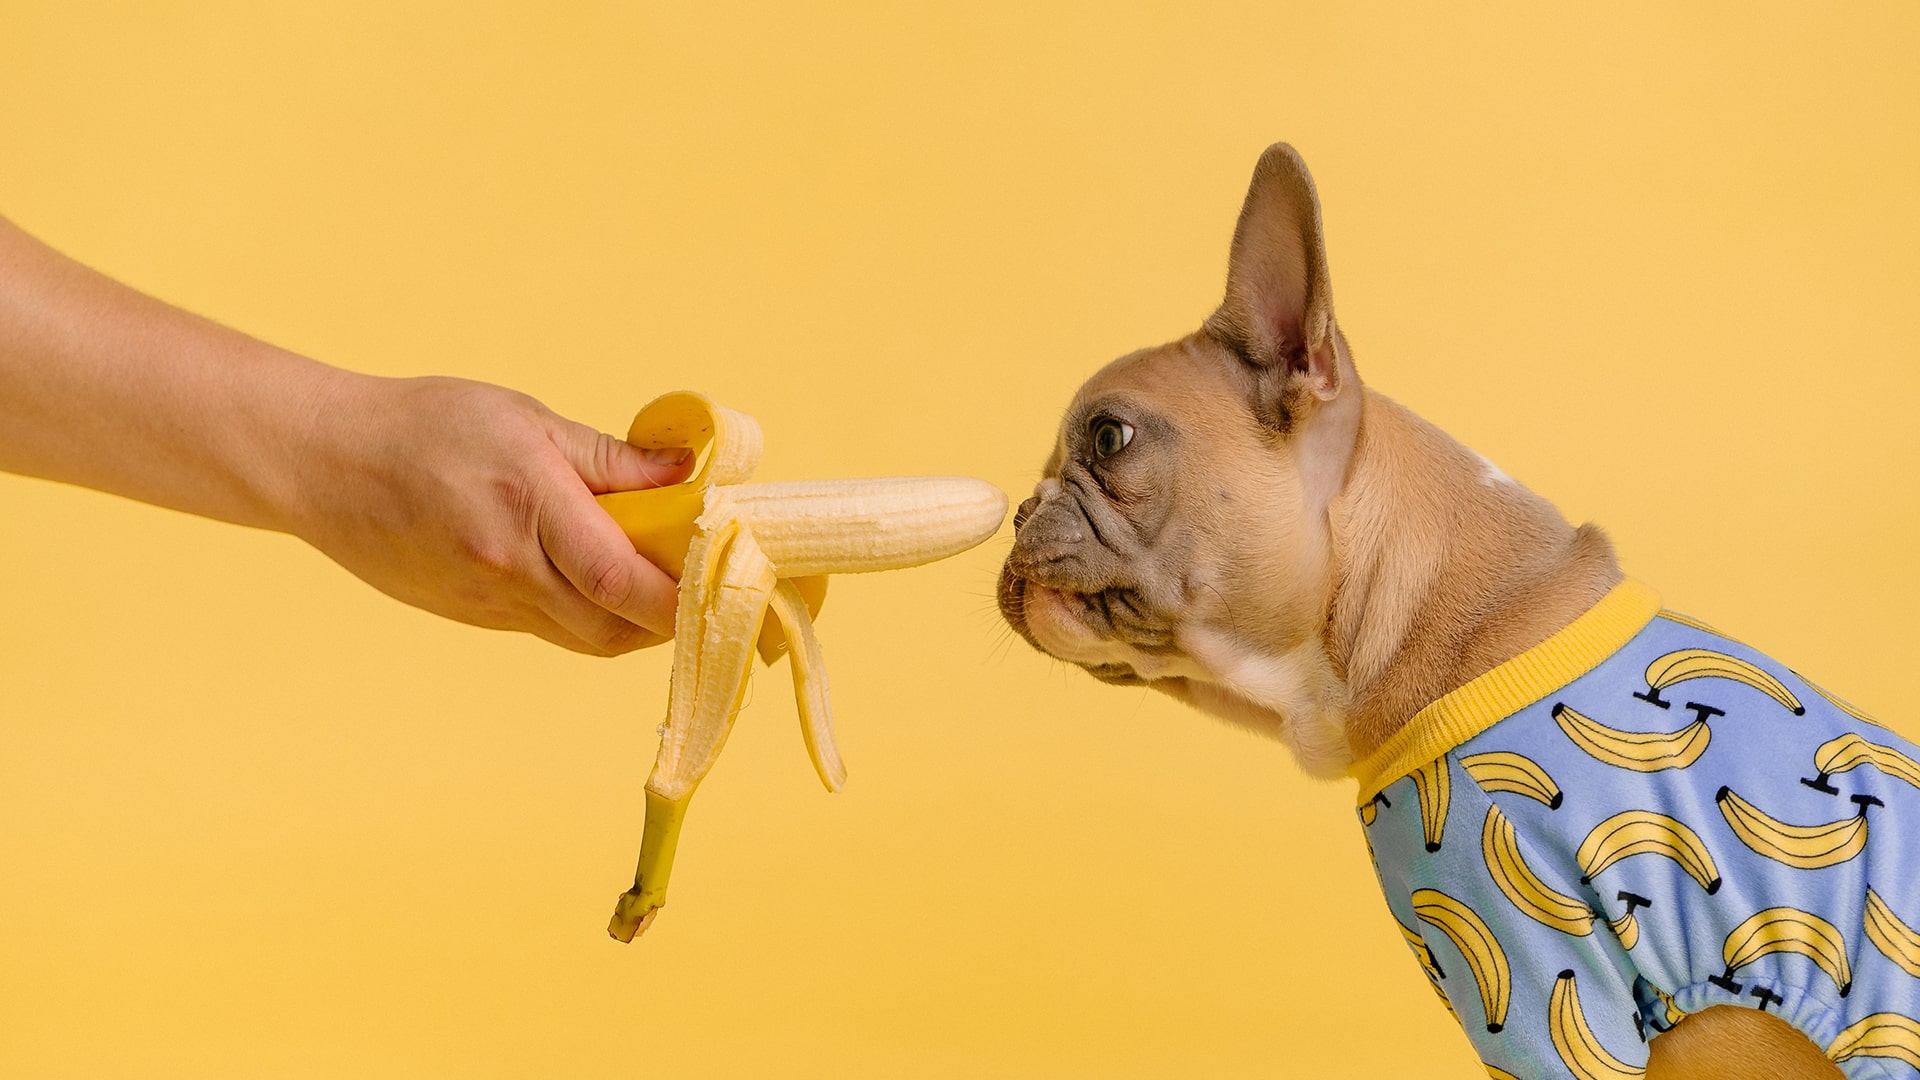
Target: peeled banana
741, 550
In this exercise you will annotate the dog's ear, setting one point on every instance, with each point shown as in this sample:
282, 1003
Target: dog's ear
1278, 313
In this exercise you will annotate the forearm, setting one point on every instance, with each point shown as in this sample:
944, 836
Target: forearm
468, 500
105, 387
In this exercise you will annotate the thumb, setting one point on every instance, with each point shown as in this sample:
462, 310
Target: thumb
609, 464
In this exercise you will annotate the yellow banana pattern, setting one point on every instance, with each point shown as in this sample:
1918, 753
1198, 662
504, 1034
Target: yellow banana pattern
1689, 621
1485, 957
1896, 940
1504, 770
1840, 703
1420, 951
1635, 750
1537, 900
1641, 832
1787, 930
1777, 916
1428, 963
1850, 751
1434, 785
1806, 847
1672, 1015
1626, 927
1579, 1048
1882, 1035
741, 550
1683, 665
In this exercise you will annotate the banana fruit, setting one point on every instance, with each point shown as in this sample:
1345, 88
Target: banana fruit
1840, 703
1637, 832
1632, 749
1574, 1038
1674, 1015
1492, 974
1788, 930
1626, 928
1885, 1035
1850, 751
1504, 770
1678, 667
741, 550
1808, 847
1428, 965
1896, 940
1434, 787
1500, 847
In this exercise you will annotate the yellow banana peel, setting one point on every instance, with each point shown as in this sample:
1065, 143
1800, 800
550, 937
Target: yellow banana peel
741, 550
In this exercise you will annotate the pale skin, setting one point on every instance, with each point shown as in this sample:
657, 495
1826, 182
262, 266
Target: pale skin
468, 500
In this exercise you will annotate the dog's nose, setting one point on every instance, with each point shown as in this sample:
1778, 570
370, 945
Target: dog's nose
1025, 511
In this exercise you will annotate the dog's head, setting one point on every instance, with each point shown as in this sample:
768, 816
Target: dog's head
1179, 535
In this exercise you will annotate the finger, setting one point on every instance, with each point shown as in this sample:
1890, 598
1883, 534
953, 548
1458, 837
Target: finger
567, 639
559, 635
598, 560
601, 631
548, 630
609, 464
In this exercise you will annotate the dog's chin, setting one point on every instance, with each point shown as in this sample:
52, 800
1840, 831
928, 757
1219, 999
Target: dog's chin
1064, 626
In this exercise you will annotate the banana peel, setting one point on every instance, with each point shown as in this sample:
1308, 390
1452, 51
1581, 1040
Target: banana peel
740, 551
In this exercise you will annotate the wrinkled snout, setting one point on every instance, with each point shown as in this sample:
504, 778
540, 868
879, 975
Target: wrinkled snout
1050, 533
1056, 554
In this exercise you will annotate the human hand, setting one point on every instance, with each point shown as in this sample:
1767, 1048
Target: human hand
476, 502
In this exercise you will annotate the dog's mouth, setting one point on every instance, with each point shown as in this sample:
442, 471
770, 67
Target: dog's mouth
1068, 625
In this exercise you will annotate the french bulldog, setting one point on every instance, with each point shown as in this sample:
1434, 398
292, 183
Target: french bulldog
1235, 520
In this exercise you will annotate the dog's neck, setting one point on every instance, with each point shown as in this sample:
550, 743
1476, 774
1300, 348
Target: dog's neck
1443, 569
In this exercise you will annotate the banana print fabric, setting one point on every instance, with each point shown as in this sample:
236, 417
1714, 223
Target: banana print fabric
1686, 824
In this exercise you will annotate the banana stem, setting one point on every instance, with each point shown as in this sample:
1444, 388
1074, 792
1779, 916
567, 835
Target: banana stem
635, 909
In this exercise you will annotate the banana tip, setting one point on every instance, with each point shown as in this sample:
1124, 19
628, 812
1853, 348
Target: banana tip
624, 926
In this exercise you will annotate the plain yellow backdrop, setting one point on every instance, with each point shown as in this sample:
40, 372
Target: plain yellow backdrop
258, 820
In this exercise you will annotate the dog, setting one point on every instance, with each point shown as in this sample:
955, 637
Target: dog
1616, 842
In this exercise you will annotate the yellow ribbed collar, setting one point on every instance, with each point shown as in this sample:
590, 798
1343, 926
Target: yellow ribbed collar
1571, 652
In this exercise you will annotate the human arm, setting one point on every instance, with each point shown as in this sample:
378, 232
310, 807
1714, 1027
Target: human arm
466, 499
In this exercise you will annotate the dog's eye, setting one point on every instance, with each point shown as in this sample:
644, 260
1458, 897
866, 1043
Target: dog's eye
1110, 436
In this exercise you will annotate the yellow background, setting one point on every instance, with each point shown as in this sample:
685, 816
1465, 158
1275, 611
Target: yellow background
258, 820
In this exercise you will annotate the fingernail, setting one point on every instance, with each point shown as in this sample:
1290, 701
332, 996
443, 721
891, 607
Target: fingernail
667, 455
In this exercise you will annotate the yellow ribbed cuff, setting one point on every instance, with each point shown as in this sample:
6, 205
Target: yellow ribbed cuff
1571, 652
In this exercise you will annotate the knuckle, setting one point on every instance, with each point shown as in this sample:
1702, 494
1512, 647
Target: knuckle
610, 582
606, 453
494, 559
519, 494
